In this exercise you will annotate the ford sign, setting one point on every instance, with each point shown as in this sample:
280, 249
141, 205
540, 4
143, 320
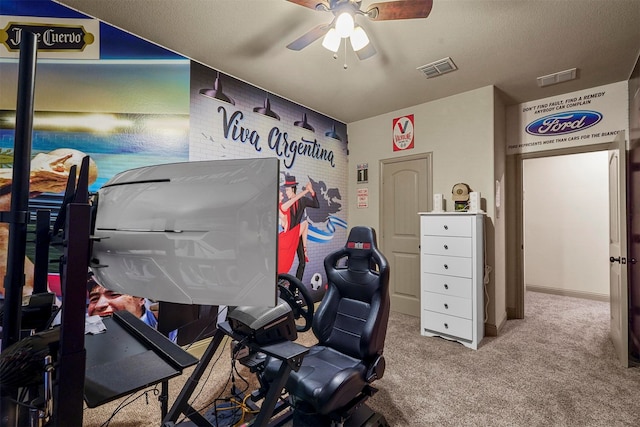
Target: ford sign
563, 123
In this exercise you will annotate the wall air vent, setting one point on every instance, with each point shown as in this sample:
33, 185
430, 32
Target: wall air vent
438, 68
559, 77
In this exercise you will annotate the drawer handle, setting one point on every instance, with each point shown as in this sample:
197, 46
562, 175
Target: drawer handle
446, 227
446, 306
446, 247
446, 267
446, 286
446, 326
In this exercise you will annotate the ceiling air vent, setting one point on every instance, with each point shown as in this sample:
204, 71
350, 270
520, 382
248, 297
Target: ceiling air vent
438, 68
559, 77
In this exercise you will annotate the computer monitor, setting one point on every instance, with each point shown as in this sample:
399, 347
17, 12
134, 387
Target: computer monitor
194, 233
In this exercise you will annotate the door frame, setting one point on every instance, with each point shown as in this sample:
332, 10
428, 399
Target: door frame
517, 311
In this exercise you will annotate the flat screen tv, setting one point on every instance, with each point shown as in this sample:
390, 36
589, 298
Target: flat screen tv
193, 233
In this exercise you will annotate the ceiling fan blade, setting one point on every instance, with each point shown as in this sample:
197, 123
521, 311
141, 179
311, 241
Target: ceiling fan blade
312, 4
366, 52
401, 9
309, 37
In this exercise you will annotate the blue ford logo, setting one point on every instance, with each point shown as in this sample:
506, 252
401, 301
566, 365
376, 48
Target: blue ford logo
563, 123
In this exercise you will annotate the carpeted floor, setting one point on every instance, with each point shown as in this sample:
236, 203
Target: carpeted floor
556, 367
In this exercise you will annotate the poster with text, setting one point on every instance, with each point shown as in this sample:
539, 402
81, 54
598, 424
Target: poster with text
403, 133
587, 117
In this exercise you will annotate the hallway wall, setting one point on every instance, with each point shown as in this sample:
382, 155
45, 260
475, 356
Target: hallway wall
566, 219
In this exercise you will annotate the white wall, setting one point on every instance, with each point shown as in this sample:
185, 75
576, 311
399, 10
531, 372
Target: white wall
566, 219
460, 132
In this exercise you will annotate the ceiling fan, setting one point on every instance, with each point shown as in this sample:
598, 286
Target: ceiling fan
343, 24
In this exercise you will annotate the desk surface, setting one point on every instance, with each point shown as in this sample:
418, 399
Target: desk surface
128, 357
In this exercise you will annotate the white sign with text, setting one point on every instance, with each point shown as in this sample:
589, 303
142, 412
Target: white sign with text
587, 117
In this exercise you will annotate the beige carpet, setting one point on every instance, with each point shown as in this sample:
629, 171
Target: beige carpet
556, 367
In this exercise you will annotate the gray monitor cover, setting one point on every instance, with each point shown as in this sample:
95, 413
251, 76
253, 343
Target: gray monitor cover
195, 233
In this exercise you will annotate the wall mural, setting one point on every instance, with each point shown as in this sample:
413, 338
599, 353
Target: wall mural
90, 119
231, 119
126, 107
140, 105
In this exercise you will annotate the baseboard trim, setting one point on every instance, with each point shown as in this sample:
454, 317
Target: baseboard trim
512, 313
491, 330
568, 293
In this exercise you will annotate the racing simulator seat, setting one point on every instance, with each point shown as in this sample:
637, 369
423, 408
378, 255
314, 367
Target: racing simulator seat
334, 379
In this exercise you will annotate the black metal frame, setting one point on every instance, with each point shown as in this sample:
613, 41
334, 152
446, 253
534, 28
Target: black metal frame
14, 277
287, 351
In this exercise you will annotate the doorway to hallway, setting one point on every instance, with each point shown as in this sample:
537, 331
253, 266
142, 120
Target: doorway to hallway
566, 219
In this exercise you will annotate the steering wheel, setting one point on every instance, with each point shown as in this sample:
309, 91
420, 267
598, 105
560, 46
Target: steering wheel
299, 299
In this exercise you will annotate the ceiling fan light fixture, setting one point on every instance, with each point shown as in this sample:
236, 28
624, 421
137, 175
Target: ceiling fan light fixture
344, 24
332, 40
359, 39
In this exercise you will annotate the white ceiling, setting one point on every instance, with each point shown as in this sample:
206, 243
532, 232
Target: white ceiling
506, 43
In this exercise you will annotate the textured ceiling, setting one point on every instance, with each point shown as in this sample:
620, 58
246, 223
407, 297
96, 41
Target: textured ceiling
506, 43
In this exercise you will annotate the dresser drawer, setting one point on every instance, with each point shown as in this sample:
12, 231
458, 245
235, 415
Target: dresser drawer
447, 285
447, 225
448, 325
446, 245
450, 266
445, 304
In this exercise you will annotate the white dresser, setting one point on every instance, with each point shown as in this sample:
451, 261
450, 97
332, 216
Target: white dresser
452, 266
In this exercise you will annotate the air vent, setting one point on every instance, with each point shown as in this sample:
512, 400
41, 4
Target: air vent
438, 68
559, 77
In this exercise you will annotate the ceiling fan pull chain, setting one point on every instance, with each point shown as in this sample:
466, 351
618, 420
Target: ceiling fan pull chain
345, 53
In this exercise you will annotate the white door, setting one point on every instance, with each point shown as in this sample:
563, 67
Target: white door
406, 190
619, 327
